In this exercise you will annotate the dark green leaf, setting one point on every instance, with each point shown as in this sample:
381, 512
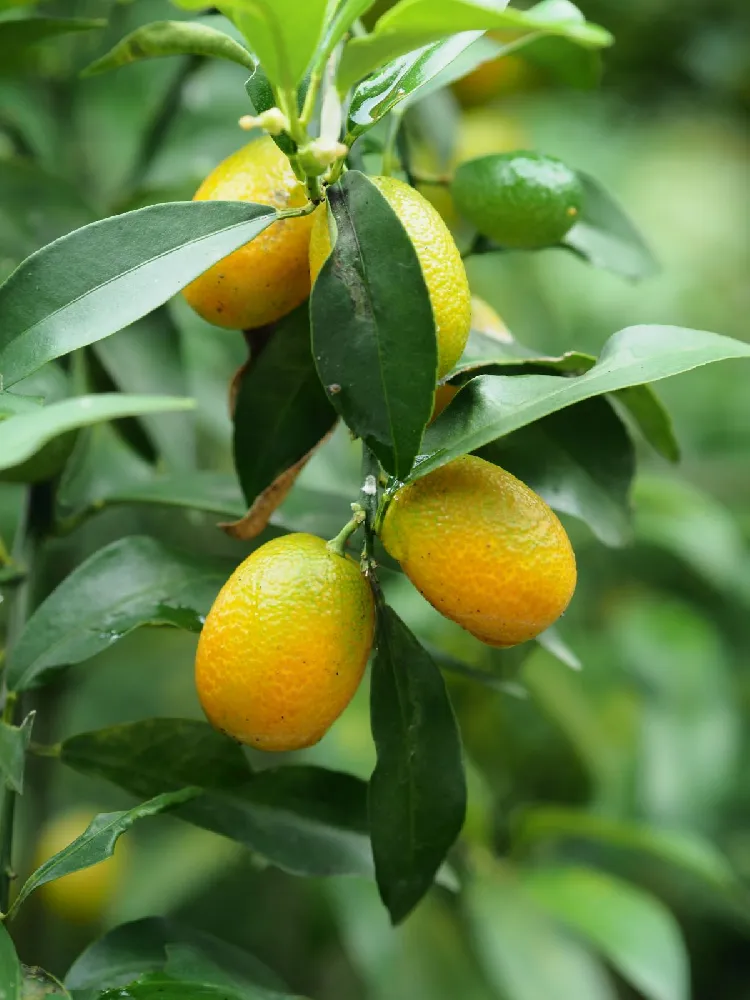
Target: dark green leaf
260, 92
281, 410
633, 930
306, 820
373, 329
523, 953
143, 946
417, 797
490, 355
492, 406
379, 93
163, 987
17, 36
97, 842
676, 848
130, 582
105, 276
580, 460
10, 967
606, 237
14, 741
172, 38
409, 26
24, 435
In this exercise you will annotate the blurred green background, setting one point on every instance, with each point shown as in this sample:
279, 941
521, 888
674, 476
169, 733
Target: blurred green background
651, 738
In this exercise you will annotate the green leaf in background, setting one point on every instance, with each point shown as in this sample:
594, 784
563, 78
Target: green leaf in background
131, 582
632, 929
306, 820
27, 433
371, 292
415, 23
10, 967
417, 797
172, 38
160, 986
492, 406
393, 83
97, 842
105, 276
490, 355
281, 410
524, 954
680, 518
14, 741
146, 945
605, 236
580, 460
674, 848
18, 36
213, 492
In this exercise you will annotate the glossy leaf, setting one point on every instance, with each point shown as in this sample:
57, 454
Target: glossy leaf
10, 967
373, 329
306, 820
160, 986
490, 355
415, 23
605, 236
105, 276
417, 797
22, 436
381, 92
492, 406
675, 848
147, 945
633, 930
580, 460
281, 410
524, 954
14, 741
18, 36
97, 842
131, 582
172, 38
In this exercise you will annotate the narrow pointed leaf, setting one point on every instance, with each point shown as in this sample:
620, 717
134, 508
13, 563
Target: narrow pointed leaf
130, 582
22, 436
632, 929
373, 329
492, 406
101, 278
306, 820
172, 38
281, 410
14, 741
97, 842
417, 798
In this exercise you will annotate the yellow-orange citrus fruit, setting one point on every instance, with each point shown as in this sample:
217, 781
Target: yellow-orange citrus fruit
484, 550
268, 277
83, 896
442, 267
500, 77
485, 320
284, 646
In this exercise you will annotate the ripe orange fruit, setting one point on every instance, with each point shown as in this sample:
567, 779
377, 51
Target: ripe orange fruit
483, 549
268, 277
284, 646
484, 319
442, 267
83, 896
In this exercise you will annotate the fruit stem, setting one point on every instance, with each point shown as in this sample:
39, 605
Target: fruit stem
338, 544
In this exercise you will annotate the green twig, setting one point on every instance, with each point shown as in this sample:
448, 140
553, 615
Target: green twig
338, 544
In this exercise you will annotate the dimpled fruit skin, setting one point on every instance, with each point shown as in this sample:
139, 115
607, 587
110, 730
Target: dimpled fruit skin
484, 550
442, 267
519, 199
284, 646
268, 277
84, 896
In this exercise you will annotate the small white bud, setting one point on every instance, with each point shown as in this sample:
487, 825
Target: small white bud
274, 121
